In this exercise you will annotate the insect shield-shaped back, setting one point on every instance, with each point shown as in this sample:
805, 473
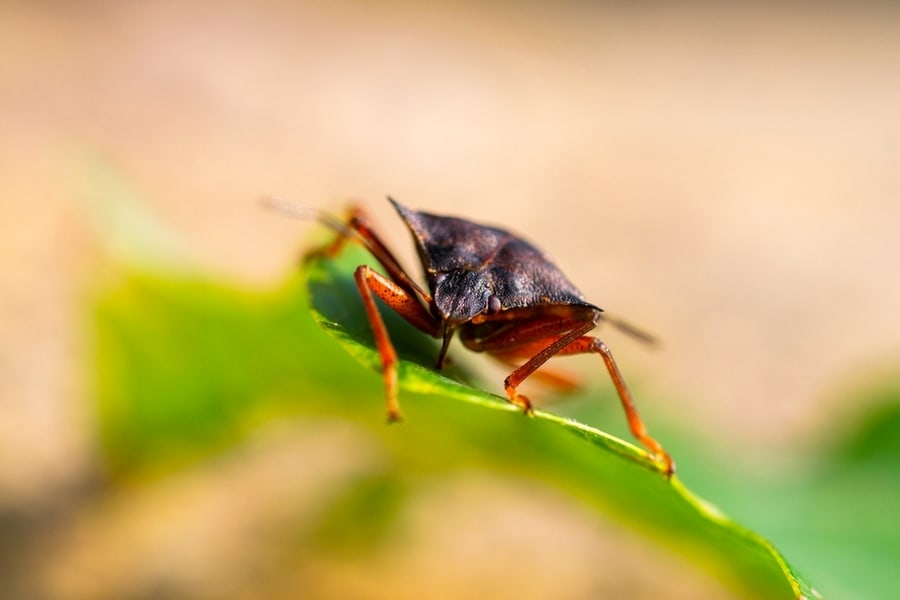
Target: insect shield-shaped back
474, 269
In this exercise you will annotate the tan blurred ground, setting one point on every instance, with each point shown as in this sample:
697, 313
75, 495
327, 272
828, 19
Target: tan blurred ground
728, 179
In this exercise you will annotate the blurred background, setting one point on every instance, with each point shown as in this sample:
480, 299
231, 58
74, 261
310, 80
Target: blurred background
727, 179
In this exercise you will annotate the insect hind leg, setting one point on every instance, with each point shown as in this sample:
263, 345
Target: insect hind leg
592, 345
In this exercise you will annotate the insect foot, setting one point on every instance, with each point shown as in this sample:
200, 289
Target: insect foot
519, 400
665, 461
395, 417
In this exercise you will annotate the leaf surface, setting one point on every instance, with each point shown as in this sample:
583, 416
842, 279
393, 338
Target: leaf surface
478, 428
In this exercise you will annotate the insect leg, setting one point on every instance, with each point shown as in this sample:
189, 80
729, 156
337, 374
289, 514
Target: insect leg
358, 228
371, 284
534, 363
558, 380
590, 344
541, 339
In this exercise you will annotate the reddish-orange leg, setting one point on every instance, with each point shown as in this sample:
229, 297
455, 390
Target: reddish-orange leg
403, 303
589, 344
538, 338
399, 292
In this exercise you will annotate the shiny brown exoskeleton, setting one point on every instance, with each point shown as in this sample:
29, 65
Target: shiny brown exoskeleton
502, 294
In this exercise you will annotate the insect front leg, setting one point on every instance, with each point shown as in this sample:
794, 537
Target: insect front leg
370, 284
516, 378
534, 335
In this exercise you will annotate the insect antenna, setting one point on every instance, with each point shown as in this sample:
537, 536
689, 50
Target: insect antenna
632, 330
308, 213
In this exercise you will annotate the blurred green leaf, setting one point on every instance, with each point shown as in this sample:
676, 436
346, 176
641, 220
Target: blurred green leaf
187, 367
875, 436
838, 509
604, 471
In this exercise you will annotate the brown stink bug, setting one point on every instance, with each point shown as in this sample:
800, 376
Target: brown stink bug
502, 294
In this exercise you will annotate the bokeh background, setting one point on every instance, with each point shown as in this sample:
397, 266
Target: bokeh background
726, 178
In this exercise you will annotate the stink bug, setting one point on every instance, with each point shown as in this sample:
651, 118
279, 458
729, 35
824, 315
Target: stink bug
502, 294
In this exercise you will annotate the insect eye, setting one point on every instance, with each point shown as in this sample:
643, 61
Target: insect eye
494, 305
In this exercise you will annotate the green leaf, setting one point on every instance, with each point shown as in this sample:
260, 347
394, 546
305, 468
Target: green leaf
452, 425
187, 367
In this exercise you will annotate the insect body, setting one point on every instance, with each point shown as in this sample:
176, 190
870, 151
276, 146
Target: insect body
499, 292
